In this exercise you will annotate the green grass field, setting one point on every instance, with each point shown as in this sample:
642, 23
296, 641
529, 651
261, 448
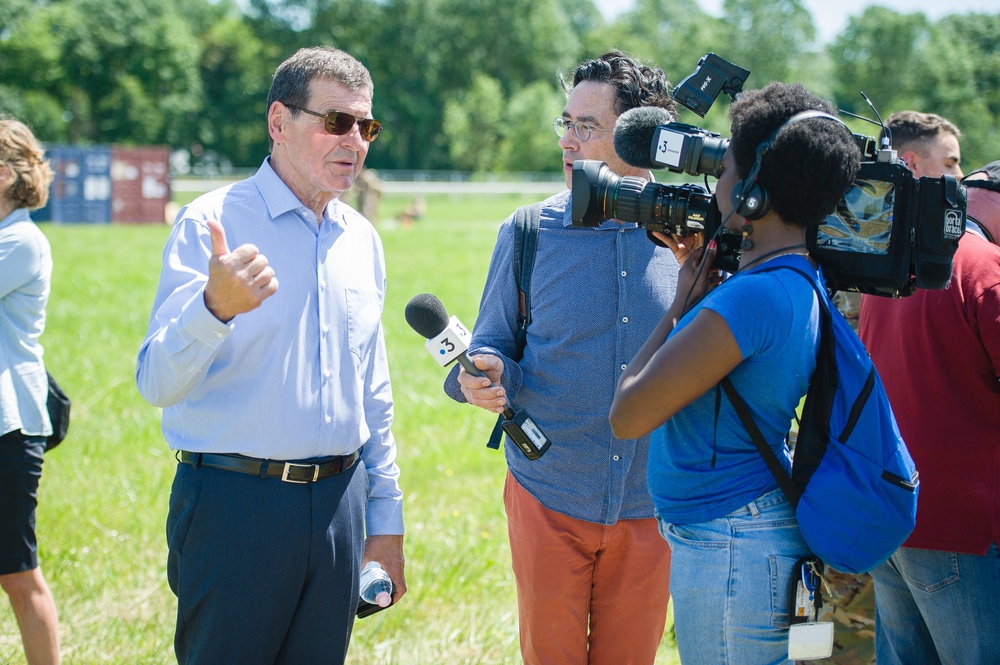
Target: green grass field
103, 499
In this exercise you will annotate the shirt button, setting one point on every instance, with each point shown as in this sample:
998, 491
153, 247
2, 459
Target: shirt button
624, 367
616, 458
322, 284
624, 273
624, 319
325, 329
328, 419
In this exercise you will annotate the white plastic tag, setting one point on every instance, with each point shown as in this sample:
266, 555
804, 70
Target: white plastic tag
810, 640
668, 147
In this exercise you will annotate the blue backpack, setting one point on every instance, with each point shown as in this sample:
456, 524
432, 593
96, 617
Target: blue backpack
853, 483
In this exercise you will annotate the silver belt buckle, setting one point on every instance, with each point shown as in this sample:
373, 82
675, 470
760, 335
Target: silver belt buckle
289, 466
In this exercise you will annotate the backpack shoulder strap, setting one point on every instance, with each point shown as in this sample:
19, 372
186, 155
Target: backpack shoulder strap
526, 223
773, 464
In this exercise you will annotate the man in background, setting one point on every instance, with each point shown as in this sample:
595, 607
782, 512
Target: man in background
938, 352
929, 145
591, 569
277, 400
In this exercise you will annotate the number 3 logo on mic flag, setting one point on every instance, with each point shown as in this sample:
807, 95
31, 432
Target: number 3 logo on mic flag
450, 343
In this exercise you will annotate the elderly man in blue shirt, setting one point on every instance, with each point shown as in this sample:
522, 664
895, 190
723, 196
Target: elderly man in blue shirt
277, 398
591, 569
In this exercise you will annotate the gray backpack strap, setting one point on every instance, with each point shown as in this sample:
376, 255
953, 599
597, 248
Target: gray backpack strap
526, 222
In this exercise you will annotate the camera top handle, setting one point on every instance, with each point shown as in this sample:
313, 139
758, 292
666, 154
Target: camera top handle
712, 76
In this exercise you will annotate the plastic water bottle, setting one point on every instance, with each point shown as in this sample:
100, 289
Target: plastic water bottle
376, 586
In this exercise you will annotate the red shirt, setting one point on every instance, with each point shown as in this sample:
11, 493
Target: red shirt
938, 353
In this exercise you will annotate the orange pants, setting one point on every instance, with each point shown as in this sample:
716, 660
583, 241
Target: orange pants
586, 593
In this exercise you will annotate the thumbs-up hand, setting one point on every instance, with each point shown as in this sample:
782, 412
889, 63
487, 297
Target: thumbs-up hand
238, 281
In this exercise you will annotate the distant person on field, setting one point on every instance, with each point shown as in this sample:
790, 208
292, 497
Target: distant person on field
938, 352
25, 276
277, 399
592, 572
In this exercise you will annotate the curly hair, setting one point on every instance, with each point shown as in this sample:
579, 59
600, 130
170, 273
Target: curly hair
23, 154
809, 166
636, 84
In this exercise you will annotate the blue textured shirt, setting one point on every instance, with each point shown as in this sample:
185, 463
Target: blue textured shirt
302, 376
596, 295
25, 275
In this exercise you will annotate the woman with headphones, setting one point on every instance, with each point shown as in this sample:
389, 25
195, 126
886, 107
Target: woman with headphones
732, 532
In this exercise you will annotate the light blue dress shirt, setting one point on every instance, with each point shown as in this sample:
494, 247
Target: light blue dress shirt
25, 276
305, 374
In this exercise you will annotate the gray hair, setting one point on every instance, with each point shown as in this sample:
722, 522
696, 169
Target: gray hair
290, 84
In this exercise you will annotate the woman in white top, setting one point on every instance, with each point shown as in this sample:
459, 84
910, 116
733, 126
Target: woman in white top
25, 273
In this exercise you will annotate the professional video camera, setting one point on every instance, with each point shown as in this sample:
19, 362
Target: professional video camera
646, 137
599, 194
890, 234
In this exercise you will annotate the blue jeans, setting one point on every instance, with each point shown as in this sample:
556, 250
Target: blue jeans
729, 582
937, 607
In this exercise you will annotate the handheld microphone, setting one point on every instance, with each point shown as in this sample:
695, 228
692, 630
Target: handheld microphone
447, 341
646, 137
634, 133
447, 338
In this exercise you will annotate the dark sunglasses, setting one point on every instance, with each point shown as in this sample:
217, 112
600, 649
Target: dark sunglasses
339, 123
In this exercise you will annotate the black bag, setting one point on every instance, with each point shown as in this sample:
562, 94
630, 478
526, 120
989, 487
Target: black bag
58, 404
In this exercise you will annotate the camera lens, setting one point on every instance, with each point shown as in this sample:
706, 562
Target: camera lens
710, 159
600, 194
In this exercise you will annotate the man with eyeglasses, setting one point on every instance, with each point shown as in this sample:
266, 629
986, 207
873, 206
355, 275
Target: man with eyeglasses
276, 397
591, 569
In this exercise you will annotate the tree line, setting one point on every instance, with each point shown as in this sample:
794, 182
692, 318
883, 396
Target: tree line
459, 84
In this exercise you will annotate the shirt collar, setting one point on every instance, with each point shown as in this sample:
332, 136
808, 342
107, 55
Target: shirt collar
19, 215
278, 198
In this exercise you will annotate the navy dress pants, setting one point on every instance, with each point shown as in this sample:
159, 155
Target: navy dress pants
265, 572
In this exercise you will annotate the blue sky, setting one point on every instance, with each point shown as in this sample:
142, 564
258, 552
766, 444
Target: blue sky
830, 16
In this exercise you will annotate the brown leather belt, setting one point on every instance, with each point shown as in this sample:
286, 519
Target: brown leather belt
289, 472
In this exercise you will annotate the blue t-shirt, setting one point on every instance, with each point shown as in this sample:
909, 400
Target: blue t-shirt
774, 317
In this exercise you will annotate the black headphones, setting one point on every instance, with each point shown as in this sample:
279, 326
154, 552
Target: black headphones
750, 200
